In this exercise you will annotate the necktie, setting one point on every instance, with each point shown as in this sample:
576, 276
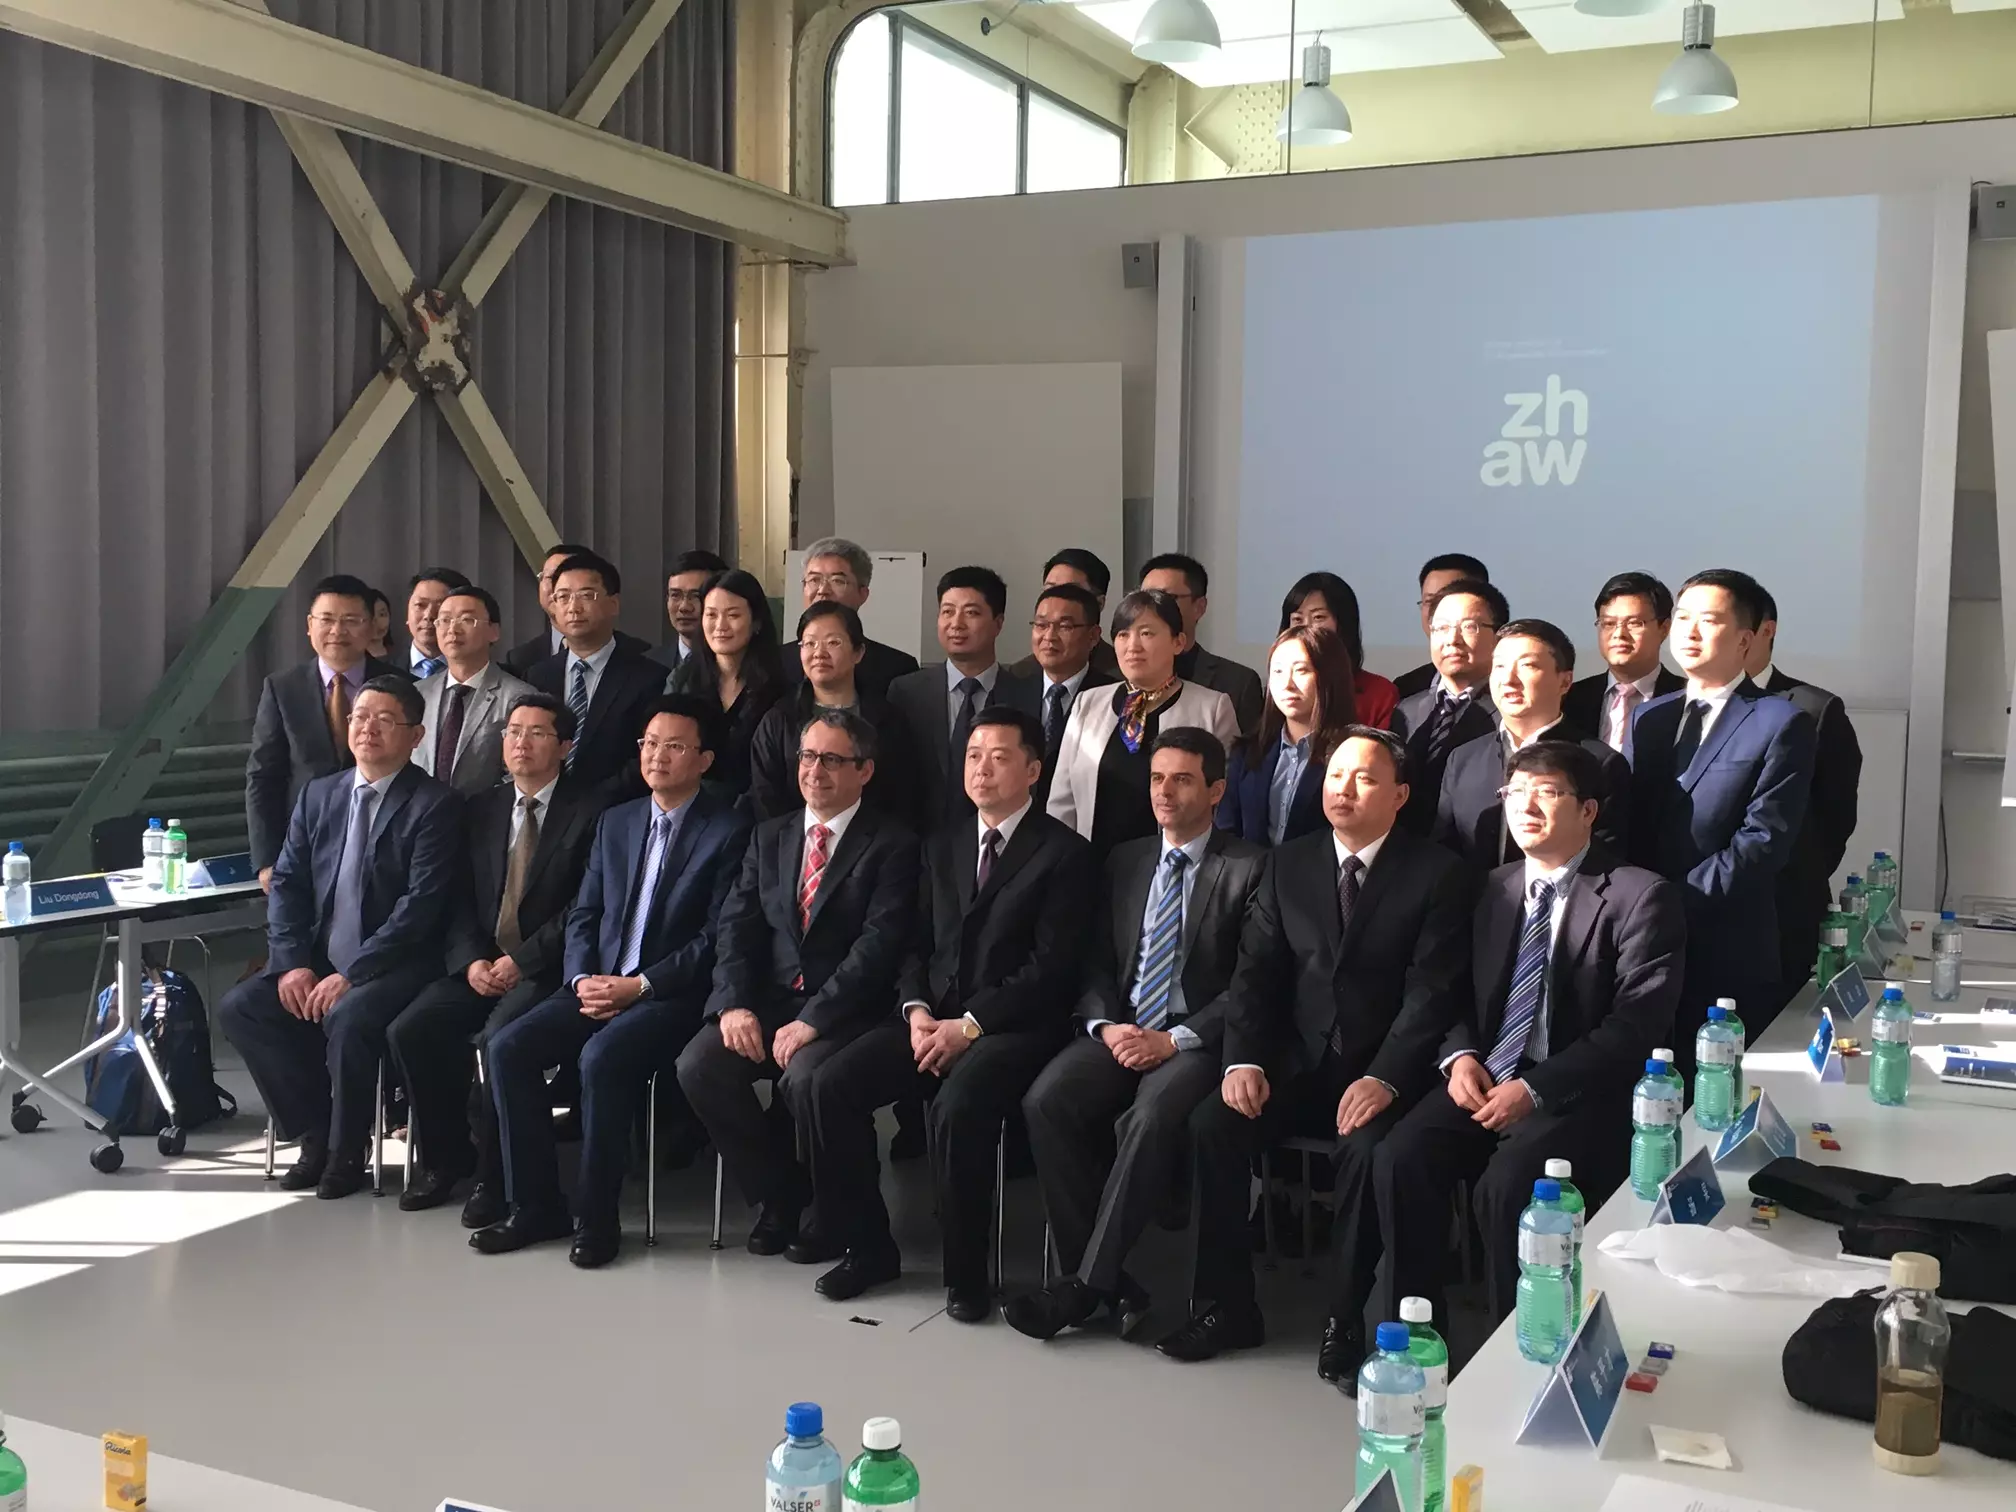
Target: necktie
450, 736
577, 700
1624, 698
642, 905
1529, 980
427, 666
1053, 717
962, 727
1165, 936
815, 867
1690, 736
1442, 727
338, 710
1349, 876
346, 916
517, 868
990, 849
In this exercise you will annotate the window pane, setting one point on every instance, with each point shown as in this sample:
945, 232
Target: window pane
1069, 151
860, 124
959, 125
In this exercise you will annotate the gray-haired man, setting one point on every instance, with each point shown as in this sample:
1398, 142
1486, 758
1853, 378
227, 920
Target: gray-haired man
837, 569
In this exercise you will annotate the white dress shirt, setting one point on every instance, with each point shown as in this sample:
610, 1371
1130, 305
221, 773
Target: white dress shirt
1716, 698
597, 664
1513, 744
1158, 889
835, 827
954, 677
1071, 686
1763, 679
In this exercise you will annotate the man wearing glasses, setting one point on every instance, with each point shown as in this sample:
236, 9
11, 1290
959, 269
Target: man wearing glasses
301, 731
1075, 567
685, 596
1063, 635
807, 951
1576, 962
1463, 626
467, 698
839, 570
1634, 611
1184, 579
606, 683
353, 931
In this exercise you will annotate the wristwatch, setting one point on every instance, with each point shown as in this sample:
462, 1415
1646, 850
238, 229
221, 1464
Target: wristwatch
970, 1026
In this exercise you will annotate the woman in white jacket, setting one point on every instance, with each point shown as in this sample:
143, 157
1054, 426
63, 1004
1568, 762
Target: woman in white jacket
1101, 785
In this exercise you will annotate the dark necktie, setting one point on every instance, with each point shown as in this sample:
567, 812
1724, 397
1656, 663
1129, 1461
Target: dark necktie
1690, 736
962, 727
1054, 714
1349, 877
346, 917
517, 868
337, 708
450, 738
1442, 726
577, 701
1529, 981
990, 851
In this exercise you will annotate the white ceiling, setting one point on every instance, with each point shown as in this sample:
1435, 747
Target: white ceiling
1558, 27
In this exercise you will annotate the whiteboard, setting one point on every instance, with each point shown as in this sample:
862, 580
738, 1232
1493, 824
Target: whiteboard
894, 594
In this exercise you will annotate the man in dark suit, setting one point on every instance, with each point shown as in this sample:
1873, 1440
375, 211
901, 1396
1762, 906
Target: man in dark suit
985, 989
839, 570
638, 961
1073, 567
1634, 612
353, 931
527, 844
302, 729
424, 595
1575, 963
1531, 668
807, 951
1109, 1117
606, 686
1065, 633
685, 596
1720, 775
1184, 579
1437, 573
528, 653
1352, 968
1806, 885
1463, 626
941, 702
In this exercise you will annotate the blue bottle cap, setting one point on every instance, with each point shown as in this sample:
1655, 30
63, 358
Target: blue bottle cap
1947, 916
153, 824
13, 847
1391, 1338
1853, 880
1881, 856
1545, 1190
1893, 994
804, 1420
1655, 1068
1717, 1014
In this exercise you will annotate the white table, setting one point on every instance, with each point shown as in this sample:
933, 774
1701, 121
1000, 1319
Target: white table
142, 916
66, 1473
1727, 1376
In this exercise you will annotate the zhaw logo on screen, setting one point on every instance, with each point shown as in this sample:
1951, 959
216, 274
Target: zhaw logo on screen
1533, 450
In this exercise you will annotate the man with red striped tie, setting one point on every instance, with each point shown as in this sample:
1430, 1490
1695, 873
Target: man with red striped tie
807, 949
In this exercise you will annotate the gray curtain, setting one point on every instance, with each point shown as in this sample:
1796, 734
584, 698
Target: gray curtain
180, 330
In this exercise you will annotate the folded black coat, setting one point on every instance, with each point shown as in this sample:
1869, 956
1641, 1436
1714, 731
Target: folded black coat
1969, 1230
1830, 1364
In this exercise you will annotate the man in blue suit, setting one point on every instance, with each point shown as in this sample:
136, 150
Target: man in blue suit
639, 963
1719, 783
353, 932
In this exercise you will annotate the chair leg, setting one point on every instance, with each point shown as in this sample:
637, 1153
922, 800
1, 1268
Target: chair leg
1000, 1205
1308, 1214
106, 940
1464, 1246
1267, 1206
1049, 1240
720, 1181
378, 1135
271, 1141
651, 1164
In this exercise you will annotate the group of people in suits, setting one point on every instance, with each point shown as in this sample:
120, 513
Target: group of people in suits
1157, 908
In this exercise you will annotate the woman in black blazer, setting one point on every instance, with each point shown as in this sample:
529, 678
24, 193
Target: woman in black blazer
1310, 701
743, 669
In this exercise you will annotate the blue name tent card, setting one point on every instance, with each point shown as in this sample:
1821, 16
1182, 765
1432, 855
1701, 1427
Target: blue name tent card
223, 871
1821, 1056
1692, 1194
1846, 996
1759, 1135
1381, 1496
462, 1506
1580, 1397
69, 895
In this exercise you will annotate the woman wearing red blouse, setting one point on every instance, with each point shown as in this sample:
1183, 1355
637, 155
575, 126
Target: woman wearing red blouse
1324, 600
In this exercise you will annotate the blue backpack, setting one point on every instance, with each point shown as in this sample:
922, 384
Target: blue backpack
116, 1084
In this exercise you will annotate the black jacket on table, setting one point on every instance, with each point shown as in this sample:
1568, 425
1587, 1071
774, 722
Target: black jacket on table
923, 699
566, 831
1470, 818
773, 757
1805, 887
1212, 925
291, 747
1613, 977
1010, 954
839, 971
1394, 984
605, 747
1412, 719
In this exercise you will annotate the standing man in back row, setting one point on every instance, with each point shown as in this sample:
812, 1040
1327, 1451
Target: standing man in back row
1634, 612
1437, 573
607, 684
1463, 626
467, 699
839, 570
1184, 579
1074, 567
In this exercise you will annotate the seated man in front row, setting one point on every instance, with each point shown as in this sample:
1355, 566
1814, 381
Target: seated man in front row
806, 955
353, 932
1109, 1118
639, 958
1577, 961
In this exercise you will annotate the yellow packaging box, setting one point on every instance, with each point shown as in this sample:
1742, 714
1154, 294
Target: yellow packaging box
125, 1471
1466, 1490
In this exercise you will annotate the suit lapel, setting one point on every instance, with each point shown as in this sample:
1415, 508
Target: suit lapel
1209, 872
1131, 917
478, 712
845, 857
964, 842
1585, 902
395, 799
1734, 712
317, 711
1376, 883
1020, 847
1502, 928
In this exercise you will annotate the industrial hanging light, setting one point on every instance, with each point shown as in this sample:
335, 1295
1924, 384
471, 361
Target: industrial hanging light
1314, 116
1177, 31
1697, 82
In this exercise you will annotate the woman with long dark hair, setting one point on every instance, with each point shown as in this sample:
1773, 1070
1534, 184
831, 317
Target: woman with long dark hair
742, 670
1324, 601
1274, 783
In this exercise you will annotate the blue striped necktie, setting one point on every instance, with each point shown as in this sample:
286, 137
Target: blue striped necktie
1165, 937
577, 701
646, 900
1529, 979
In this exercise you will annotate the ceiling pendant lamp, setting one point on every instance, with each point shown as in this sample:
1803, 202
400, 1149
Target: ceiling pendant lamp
1697, 82
1314, 116
1177, 31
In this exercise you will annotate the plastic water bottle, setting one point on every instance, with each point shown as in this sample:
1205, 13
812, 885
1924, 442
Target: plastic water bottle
1881, 885
1911, 1338
805, 1469
1890, 1050
175, 860
1716, 1051
1947, 949
1546, 1260
14, 879
1573, 1205
1670, 1073
1728, 1007
1834, 957
881, 1475
1655, 1132
13, 1476
1855, 904
153, 842
1392, 1415
1427, 1350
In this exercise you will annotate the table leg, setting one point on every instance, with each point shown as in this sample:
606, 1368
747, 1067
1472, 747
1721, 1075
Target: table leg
131, 983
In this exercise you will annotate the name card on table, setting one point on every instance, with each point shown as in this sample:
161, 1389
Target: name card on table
1692, 1194
1760, 1135
462, 1506
1381, 1496
1821, 1057
223, 871
1582, 1389
69, 895
1847, 995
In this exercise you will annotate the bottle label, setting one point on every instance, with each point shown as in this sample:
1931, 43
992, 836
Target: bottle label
15, 1501
1578, 1230
1655, 1112
1710, 1052
1400, 1414
848, 1504
1837, 938
798, 1498
1891, 1031
1545, 1249
1437, 1394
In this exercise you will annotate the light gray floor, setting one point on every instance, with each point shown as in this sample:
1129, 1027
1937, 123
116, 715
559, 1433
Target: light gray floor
354, 1352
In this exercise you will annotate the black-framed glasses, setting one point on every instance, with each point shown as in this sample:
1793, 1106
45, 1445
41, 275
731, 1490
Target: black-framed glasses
828, 761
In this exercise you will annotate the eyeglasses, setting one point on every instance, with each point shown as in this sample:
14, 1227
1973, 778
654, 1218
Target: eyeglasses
674, 748
839, 581
363, 719
1057, 626
828, 761
459, 621
1470, 629
588, 598
337, 621
1633, 623
530, 732
1546, 792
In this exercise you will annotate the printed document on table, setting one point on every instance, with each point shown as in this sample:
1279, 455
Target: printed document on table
1640, 1493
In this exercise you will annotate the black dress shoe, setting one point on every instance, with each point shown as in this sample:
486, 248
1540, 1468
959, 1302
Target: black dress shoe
1047, 1313
595, 1245
486, 1205
306, 1172
522, 1228
774, 1231
814, 1248
1340, 1354
969, 1304
1129, 1307
430, 1189
1214, 1331
856, 1273
343, 1175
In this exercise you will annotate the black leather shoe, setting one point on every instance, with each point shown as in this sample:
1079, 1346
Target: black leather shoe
521, 1229
1047, 1313
306, 1172
813, 1248
774, 1231
856, 1273
343, 1175
1129, 1307
430, 1189
486, 1205
1340, 1354
595, 1245
969, 1304
1214, 1331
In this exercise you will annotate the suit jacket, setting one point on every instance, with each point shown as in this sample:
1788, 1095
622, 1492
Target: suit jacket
1613, 977
1805, 886
291, 747
1239, 683
1212, 924
925, 704
1724, 829
840, 970
1103, 662
1053, 749
1010, 954
605, 747
1470, 819
1394, 984
880, 666
773, 758
1583, 706
1415, 680
1249, 787
414, 866
667, 654
566, 832
528, 653
479, 754
677, 958
1424, 777
1074, 791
